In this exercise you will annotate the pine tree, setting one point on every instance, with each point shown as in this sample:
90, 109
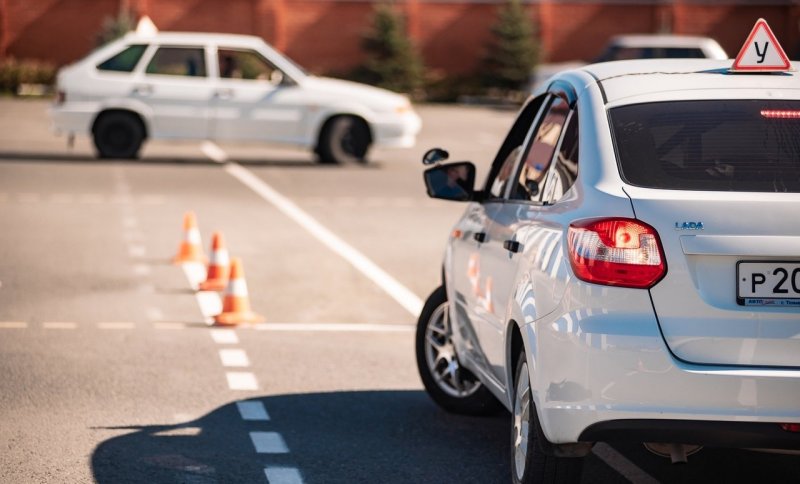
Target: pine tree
392, 61
116, 27
513, 52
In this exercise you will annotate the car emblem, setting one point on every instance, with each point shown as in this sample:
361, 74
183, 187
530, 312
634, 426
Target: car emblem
689, 226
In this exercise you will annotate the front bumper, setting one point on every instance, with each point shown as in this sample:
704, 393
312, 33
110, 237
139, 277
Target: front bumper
396, 131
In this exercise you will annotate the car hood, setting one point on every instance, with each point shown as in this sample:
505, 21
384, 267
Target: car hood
371, 96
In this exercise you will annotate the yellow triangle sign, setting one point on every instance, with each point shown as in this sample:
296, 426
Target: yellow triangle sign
761, 52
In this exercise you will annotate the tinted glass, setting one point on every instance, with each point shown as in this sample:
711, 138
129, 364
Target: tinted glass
733, 145
565, 171
240, 64
125, 61
178, 61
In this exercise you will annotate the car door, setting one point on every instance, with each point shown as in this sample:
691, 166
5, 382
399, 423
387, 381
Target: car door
175, 86
519, 247
470, 289
254, 100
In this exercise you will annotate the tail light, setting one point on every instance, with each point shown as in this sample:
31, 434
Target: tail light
791, 427
616, 252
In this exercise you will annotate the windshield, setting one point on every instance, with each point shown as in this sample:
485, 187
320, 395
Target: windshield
721, 145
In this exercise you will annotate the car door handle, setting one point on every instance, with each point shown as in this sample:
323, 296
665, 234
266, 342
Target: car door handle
479, 236
223, 93
512, 246
143, 90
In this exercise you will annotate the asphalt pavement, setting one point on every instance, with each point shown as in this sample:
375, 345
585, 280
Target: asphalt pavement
111, 374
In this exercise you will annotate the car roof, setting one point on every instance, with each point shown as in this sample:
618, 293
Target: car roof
194, 38
633, 79
660, 40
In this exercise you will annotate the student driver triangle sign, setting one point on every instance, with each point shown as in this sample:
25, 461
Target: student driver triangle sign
761, 52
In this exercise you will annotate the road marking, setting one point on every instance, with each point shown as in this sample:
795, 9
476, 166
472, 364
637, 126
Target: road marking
621, 464
136, 251
269, 443
154, 314
59, 325
211, 150
234, 357
224, 336
241, 380
195, 273
13, 325
283, 475
141, 269
209, 301
168, 325
252, 410
116, 325
342, 327
381, 278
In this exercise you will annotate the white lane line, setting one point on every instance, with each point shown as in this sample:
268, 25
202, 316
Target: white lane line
59, 325
342, 327
381, 278
209, 301
234, 358
224, 336
252, 410
136, 251
283, 475
269, 443
168, 325
621, 464
211, 150
241, 380
195, 273
116, 325
13, 325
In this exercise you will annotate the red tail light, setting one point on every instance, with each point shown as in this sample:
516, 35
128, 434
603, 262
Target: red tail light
616, 252
791, 427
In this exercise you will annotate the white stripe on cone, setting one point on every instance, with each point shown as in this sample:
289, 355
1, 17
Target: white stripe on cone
193, 236
220, 257
236, 287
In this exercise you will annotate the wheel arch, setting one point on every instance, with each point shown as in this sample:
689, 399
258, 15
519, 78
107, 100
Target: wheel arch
143, 121
329, 118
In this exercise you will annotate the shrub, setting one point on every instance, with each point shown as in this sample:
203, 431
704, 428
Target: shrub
14, 72
116, 27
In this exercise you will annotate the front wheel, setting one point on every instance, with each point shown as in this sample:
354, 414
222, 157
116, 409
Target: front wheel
344, 139
529, 461
450, 385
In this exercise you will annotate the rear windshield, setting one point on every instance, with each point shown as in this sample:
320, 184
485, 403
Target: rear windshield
733, 145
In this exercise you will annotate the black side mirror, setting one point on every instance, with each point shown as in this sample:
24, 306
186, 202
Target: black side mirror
434, 155
454, 181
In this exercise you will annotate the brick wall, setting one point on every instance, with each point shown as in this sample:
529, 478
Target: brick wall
325, 35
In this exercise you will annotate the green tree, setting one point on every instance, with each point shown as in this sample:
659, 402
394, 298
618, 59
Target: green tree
392, 60
115, 27
512, 53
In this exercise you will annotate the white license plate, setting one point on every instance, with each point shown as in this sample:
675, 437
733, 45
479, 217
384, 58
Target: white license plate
768, 283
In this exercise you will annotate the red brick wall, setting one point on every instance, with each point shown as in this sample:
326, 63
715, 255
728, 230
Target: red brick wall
325, 35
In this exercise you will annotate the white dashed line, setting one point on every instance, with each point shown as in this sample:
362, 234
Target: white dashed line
136, 251
234, 358
195, 273
252, 410
341, 327
283, 475
621, 464
269, 443
224, 336
59, 325
168, 326
214, 152
13, 325
407, 299
116, 325
209, 301
241, 380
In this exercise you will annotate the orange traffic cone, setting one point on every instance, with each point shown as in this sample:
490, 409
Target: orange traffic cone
487, 302
236, 302
474, 274
218, 267
190, 249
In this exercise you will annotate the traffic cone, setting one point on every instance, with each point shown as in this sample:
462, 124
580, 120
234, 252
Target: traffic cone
474, 274
190, 249
218, 267
236, 302
487, 302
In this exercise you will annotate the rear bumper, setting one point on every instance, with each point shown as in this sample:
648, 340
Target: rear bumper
596, 369
73, 118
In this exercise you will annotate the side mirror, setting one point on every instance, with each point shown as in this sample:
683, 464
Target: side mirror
454, 181
434, 155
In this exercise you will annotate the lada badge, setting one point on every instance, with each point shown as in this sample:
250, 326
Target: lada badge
689, 226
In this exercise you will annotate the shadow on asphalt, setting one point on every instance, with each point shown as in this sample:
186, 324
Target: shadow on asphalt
345, 437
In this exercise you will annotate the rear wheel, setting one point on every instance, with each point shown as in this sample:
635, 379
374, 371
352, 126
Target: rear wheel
118, 135
529, 461
344, 139
450, 385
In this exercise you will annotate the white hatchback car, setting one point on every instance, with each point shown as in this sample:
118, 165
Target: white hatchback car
222, 87
630, 269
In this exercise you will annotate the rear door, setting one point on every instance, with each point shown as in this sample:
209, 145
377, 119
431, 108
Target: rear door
720, 181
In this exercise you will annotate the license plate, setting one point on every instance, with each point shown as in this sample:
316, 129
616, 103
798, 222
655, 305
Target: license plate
768, 283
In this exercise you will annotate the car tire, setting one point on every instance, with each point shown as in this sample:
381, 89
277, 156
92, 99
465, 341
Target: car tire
530, 462
118, 135
451, 386
344, 139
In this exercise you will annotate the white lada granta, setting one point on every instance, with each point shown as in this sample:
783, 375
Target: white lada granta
630, 269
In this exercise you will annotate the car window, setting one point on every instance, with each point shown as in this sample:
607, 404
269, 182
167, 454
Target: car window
722, 145
124, 61
539, 152
178, 61
244, 64
565, 170
503, 164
